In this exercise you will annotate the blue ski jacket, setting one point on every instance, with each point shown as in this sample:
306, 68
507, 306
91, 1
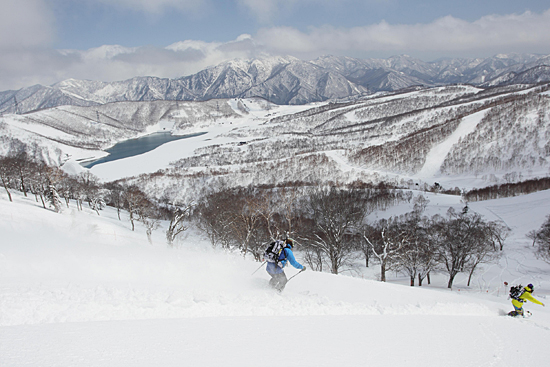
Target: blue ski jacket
286, 256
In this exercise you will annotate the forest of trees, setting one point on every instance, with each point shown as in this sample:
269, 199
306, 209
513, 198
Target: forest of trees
508, 189
330, 228
393, 136
513, 135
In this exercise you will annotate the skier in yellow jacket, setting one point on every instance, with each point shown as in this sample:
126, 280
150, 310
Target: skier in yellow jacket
524, 297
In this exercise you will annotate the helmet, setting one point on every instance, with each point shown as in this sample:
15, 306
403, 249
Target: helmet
529, 288
289, 242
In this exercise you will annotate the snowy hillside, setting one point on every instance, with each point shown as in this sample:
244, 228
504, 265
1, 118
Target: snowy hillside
459, 136
79, 133
78, 289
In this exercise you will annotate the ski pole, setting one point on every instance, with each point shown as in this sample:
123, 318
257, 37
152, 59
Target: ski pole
295, 274
259, 267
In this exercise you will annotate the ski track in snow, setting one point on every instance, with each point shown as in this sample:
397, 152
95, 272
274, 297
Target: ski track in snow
437, 154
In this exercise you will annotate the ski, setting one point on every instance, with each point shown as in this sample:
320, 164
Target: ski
526, 314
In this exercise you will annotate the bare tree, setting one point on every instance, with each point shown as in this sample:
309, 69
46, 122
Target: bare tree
313, 257
5, 174
140, 208
66, 188
242, 218
50, 177
178, 223
115, 196
15, 171
97, 201
22, 166
38, 182
214, 214
498, 232
53, 198
91, 190
490, 240
151, 223
463, 241
385, 240
419, 205
416, 256
246, 220
365, 247
288, 200
336, 215
135, 202
267, 209
541, 239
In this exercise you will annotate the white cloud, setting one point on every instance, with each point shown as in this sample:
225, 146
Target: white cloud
23, 62
263, 10
25, 23
498, 33
267, 10
27, 27
156, 6
27, 67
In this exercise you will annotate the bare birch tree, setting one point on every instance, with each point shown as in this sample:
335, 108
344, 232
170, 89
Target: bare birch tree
336, 215
385, 240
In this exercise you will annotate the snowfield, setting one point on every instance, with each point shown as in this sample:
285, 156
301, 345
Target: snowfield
78, 289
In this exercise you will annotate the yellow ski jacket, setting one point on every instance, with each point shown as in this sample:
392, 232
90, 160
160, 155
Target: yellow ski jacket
526, 296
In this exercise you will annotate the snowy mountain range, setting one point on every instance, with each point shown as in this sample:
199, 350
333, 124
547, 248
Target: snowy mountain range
287, 80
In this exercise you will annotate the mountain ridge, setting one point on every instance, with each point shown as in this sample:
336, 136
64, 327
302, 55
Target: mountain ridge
285, 80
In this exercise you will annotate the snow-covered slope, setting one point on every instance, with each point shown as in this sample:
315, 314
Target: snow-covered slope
81, 289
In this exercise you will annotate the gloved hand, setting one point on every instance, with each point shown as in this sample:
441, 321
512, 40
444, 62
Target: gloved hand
303, 268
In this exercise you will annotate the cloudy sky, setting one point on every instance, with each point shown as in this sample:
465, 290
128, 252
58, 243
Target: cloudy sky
46, 41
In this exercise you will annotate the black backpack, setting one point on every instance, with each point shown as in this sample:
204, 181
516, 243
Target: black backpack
516, 291
273, 251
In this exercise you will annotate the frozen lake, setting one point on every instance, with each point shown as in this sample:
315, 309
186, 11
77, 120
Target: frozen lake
132, 147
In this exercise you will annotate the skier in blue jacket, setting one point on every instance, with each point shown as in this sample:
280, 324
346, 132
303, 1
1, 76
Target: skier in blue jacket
278, 278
